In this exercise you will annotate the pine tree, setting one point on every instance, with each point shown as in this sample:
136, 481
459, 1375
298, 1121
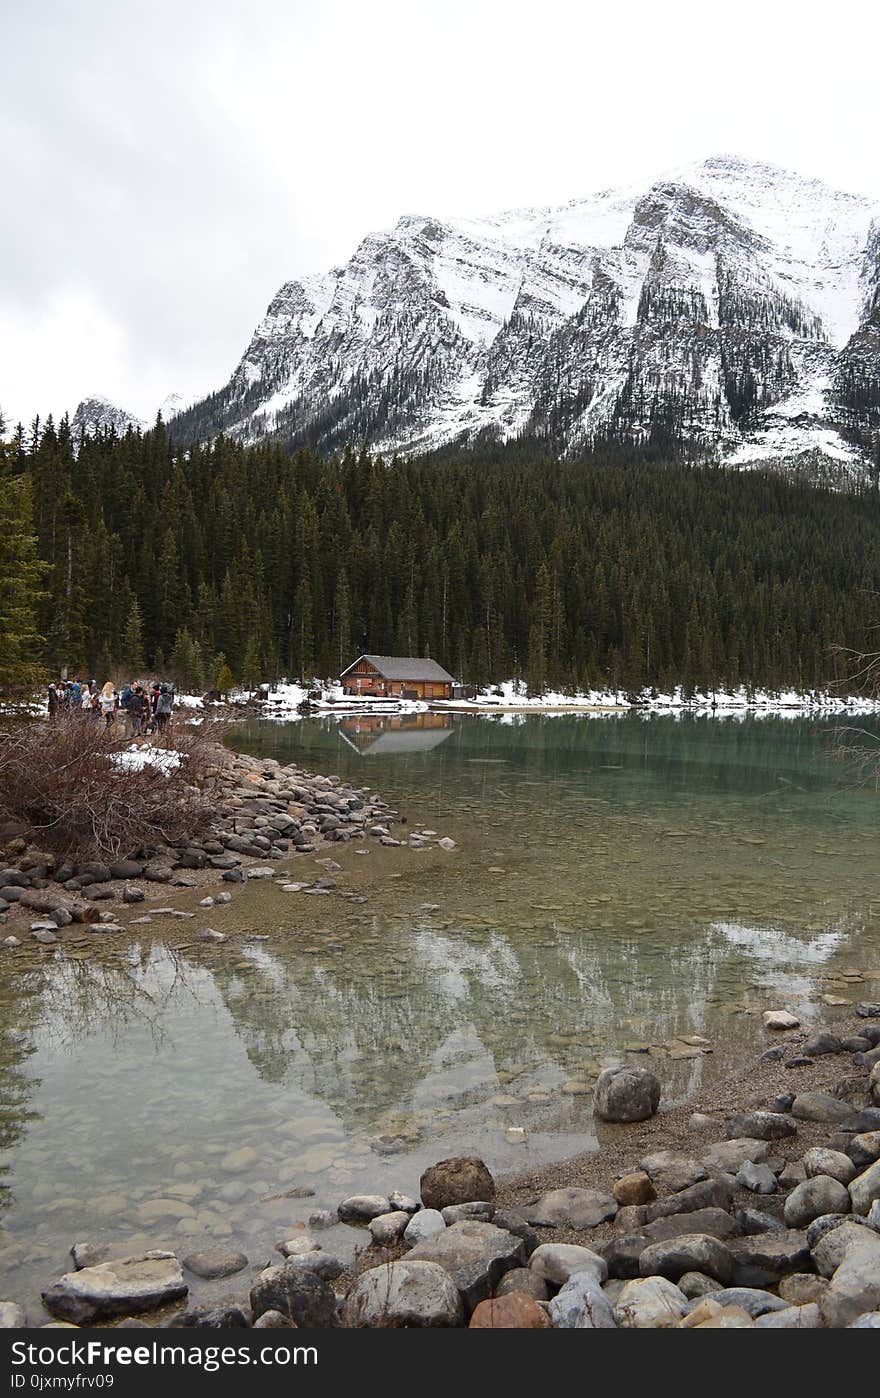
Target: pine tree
21, 573
133, 640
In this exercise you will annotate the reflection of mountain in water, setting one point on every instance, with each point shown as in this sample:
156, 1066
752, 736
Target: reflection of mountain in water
383, 735
370, 1032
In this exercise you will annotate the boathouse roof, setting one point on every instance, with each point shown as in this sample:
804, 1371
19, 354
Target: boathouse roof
404, 667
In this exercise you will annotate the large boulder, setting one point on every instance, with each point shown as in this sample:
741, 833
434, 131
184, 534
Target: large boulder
408, 1293
865, 1188
121, 1287
523, 1279
821, 1107
576, 1209
652, 1303
763, 1126
363, 1208
672, 1171
707, 1194
515, 1311
581, 1304
693, 1252
476, 1256
831, 1246
298, 1294
864, 1148
855, 1286
819, 1161
556, 1262
458, 1180
814, 1197
729, 1156
626, 1094
427, 1223
762, 1259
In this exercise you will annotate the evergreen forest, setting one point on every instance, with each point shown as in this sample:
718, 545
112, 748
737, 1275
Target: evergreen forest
225, 563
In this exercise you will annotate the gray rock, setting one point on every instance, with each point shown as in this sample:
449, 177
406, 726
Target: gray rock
514, 1222
717, 1223
405, 1293
405, 1202
326, 1218
319, 1264
581, 1304
819, 1161
556, 1262
129, 1285
761, 1259
730, 1156
427, 1223
672, 1171
821, 1044
571, 1208
479, 1209
272, 1320
765, 1126
830, 1247
820, 1106
298, 1294
868, 1009
855, 1285
792, 1318
754, 1221
813, 1198
752, 1299
760, 1179
525, 1280
132, 895
864, 1189
361, 1208
714, 1193
692, 1252
387, 1228
696, 1284
871, 1321
650, 1303
460, 1179
12, 1316
211, 1263
476, 1255
864, 1148
626, 1094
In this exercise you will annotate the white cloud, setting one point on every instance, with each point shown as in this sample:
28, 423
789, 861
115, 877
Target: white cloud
167, 167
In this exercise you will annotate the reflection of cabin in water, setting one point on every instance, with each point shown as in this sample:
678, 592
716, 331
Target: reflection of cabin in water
375, 735
403, 676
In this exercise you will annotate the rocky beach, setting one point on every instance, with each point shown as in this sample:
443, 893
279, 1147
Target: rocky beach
757, 1204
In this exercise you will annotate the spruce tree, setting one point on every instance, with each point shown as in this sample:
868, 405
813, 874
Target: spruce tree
21, 575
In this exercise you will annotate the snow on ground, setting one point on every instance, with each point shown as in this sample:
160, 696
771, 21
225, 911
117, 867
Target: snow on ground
135, 758
511, 698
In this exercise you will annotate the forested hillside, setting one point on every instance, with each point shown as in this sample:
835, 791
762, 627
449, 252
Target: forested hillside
573, 574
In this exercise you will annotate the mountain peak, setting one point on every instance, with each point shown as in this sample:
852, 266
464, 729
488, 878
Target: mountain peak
722, 311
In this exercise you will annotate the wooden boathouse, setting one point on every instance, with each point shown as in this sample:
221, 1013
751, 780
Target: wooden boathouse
398, 676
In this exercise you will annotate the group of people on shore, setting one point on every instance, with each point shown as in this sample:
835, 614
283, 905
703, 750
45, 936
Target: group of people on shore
145, 708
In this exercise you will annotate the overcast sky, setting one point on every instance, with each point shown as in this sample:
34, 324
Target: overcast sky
167, 165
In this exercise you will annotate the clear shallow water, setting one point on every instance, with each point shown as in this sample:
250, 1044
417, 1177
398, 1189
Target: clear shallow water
617, 882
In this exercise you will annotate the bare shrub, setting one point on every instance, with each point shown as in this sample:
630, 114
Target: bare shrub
71, 788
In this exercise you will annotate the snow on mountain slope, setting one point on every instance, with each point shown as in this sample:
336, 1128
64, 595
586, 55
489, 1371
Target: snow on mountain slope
98, 414
730, 309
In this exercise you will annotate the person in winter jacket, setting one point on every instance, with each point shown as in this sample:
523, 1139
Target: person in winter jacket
164, 707
108, 703
137, 711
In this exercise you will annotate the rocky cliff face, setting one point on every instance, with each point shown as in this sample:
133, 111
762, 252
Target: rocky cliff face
730, 310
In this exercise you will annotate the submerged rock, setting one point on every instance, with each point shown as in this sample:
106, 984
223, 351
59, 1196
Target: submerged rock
132, 1284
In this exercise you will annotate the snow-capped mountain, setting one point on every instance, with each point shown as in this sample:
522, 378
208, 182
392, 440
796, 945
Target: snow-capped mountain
97, 414
731, 309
